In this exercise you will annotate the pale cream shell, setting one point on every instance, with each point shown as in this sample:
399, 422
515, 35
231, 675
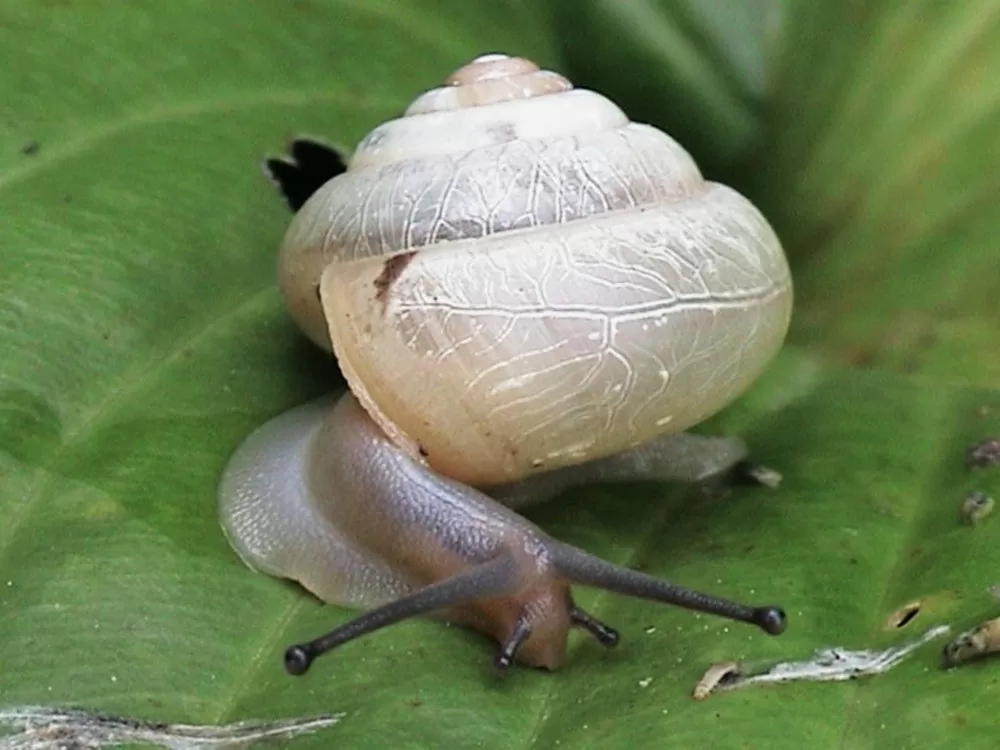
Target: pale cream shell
534, 282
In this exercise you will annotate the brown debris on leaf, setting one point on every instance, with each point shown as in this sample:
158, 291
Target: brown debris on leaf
983, 454
983, 640
716, 675
975, 508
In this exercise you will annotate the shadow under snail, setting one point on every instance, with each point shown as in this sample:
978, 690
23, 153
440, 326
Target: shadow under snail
525, 292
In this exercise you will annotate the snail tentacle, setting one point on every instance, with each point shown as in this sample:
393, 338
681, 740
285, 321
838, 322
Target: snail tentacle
588, 570
603, 634
489, 578
512, 644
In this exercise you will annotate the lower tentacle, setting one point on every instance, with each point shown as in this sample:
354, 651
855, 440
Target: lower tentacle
491, 578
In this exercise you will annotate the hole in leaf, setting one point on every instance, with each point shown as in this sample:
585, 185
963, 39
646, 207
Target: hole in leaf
307, 167
903, 616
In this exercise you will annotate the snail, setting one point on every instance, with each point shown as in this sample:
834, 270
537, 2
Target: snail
525, 292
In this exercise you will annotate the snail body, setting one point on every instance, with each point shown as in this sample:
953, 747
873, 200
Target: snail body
525, 291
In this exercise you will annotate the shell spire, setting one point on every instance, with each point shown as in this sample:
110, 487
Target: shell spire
489, 79
491, 100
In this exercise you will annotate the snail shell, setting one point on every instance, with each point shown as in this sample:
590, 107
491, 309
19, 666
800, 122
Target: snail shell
526, 292
515, 278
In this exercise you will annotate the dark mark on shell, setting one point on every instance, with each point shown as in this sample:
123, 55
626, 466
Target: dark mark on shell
391, 270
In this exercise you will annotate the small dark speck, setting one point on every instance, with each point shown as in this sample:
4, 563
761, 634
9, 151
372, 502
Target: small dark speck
503, 132
319, 295
67, 199
31, 148
422, 450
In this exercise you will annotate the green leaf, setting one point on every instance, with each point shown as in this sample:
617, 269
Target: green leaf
142, 337
881, 175
697, 68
